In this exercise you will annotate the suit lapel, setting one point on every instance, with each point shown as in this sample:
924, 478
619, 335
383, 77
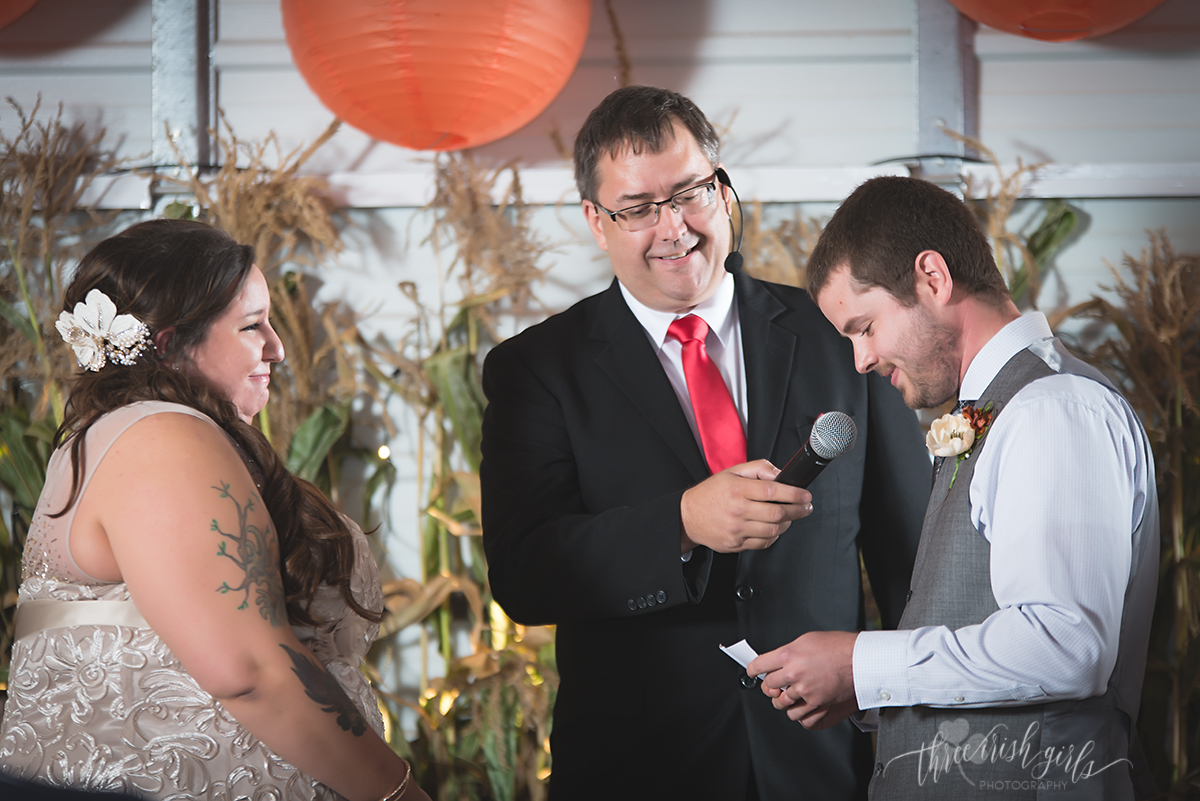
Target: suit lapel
625, 355
769, 351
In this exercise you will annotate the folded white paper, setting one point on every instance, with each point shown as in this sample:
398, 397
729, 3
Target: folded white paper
742, 653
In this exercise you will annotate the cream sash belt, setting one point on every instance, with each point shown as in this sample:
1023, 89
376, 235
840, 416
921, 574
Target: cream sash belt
35, 616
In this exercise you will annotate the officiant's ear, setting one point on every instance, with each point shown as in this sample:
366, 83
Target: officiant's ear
162, 340
592, 213
932, 280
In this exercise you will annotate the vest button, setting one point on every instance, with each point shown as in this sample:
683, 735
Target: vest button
744, 592
878, 768
908, 597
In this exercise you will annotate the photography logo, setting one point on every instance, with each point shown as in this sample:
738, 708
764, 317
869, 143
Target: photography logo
956, 749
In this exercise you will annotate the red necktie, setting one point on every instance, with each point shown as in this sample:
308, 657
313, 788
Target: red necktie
717, 418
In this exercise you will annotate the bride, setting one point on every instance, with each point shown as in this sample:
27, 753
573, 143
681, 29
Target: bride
191, 615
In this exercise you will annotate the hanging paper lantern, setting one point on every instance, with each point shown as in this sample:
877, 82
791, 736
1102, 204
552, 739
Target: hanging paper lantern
11, 9
1056, 20
436, 74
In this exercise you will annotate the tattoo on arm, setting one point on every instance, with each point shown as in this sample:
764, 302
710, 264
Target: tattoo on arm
324, 689
257, 554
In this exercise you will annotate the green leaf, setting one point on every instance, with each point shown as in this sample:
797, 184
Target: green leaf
43, 431
179, 210
315, 438
454, 374
385, 473
17, 320
1058, 223
22, 460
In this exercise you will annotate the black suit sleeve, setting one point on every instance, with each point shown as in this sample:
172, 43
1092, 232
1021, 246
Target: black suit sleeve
551, 559
895, 494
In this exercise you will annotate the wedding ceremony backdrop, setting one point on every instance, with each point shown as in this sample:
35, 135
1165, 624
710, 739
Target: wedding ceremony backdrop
439, 217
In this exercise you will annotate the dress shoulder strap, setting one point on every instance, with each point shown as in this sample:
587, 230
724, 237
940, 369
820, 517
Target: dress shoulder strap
100, 438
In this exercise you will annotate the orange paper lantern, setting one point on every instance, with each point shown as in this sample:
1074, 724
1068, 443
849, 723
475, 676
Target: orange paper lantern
1056, 20
11, 9
436, 74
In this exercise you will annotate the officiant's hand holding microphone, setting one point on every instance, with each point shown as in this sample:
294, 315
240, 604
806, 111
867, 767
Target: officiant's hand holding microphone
741, 508
747, 506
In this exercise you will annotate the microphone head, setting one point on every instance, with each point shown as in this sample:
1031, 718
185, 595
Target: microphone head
833, 434
733, 262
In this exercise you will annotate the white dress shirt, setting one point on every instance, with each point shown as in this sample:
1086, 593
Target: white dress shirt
1057, 492
724, 345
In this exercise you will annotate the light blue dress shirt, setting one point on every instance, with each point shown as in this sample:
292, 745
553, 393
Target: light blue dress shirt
1057, 492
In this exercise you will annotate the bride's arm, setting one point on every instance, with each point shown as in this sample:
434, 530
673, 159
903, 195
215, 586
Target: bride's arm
195, 545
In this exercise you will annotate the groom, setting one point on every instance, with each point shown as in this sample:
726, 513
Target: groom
1019, 660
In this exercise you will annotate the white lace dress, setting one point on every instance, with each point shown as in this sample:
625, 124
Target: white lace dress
96, 700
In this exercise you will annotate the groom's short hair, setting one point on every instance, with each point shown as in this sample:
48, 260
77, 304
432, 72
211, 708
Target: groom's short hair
883, 226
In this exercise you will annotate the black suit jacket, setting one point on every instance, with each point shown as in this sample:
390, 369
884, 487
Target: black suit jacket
586, 453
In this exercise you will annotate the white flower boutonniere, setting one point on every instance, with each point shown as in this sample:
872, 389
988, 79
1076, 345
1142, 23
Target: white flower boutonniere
956, 434
97, 333
950, 435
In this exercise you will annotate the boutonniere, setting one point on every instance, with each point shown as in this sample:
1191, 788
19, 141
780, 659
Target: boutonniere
957, 434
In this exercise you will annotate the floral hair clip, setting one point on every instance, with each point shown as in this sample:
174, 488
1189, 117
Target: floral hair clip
98, 334
957, 434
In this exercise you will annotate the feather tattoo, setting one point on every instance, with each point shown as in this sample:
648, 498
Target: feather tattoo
324, 689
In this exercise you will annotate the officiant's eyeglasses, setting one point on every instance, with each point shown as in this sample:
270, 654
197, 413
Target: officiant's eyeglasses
645, 215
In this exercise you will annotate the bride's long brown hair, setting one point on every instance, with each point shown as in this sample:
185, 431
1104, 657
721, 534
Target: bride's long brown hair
178, 276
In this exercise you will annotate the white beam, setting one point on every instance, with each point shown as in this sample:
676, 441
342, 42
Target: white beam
181, 80
947, 86
765, 184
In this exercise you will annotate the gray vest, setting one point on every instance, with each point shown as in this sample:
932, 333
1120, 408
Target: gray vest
1028, 752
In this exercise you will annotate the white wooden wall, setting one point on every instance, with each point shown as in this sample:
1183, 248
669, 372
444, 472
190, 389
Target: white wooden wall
811, 93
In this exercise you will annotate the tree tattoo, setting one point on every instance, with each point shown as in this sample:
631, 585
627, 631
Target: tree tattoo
324, 689
257, 554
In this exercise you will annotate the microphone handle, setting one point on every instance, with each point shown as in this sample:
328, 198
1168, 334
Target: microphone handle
803, 468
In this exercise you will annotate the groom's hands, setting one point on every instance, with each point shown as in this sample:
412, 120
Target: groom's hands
811, 678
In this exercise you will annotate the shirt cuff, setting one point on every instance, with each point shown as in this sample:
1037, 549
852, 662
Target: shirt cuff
881, 669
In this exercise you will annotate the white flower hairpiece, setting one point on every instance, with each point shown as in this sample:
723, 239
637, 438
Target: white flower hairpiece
97, 333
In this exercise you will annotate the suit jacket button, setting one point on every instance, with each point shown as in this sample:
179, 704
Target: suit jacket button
662, 596
744, 592
641, 603
632, 604
749, 682
650, 600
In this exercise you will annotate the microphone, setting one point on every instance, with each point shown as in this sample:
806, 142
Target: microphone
733, 262
833, 434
